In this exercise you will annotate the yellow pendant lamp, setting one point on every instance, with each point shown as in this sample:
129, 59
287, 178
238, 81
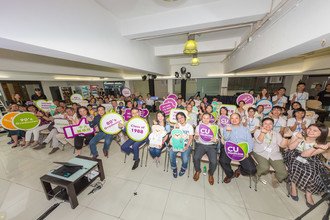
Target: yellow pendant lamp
190, 46
194, 60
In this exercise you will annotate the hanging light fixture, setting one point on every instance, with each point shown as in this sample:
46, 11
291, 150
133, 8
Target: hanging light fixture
194, 60
190, 46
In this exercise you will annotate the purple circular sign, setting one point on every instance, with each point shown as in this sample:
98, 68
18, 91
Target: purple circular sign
234, 152
246, 97
205, 133
224, 121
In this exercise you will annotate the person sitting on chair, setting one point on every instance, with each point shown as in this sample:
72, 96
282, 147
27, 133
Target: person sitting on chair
100, 135
188, 132
131, 146
205, 147
267, 152
237, 133
304, 164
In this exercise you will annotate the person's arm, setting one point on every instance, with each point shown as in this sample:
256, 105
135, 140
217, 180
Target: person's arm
295, 140
293, 97
317, 149
259, 136
294, 126
227, 132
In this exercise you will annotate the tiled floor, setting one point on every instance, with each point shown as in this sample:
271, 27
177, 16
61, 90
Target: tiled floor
146, 193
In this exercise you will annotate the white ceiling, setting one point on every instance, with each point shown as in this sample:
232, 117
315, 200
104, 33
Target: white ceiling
127, 9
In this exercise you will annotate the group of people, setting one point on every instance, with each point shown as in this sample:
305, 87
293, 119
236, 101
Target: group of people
285, 139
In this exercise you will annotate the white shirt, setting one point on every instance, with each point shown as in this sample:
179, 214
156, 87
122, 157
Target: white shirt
150, 102
292, 121
252, 123
281, 101
278, 124
187, 131
301, 98
269, 148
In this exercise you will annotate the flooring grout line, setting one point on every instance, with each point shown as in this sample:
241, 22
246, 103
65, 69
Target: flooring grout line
240, 192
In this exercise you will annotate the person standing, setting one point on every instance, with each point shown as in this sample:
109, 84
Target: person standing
300, 95
280, 99
38, 95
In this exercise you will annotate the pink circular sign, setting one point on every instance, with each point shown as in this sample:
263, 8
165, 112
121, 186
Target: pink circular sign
126, 92
246, 97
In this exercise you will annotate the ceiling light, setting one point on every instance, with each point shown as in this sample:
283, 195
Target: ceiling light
194, 60
190, 46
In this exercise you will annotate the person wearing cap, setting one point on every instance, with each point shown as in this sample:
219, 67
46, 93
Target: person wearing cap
38, 95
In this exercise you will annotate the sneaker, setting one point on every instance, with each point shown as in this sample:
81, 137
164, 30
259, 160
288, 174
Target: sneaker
54, 150
182, 172
106, 153
10, 142
175, 173
136, 164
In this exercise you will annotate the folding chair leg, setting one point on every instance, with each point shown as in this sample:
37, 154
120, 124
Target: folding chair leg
218, 173
142, 157
168, 161
255, 185
250, 181
146, 162
125, 158
189, 165
165, 161
222, 174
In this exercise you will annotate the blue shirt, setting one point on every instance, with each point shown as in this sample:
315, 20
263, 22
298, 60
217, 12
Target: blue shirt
239, 134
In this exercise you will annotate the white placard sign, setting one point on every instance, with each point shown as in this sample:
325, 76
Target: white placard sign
109, 123
137, 129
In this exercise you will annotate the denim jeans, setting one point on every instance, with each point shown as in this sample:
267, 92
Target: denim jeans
185, 156
99, 136
155, 152
131, 146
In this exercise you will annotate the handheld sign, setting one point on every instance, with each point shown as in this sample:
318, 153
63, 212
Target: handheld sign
142, 113
177, 140
224, 121
205, 132
156, 136
231, 108
109, 123
44, 105
246, 97
76, 98
215, 106
82, 128
238, 151
167, 105
7, 120
126, 92
52, 110
137, 129
175, 111
60, 123
268, 105
172, 96
26, 121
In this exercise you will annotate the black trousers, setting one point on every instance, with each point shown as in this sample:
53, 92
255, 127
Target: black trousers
210, 151
79, 141
246, 168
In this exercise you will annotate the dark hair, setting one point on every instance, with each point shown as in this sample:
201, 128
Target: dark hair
182, 114
318, 84
322, 139
277, 107
224, 109
134, 108
100, 106
301, 83
295, 103
261, 106
282, 88
299, 110
267, 119
205, 113
267, 94
163, 114
80, 107
251, 108
240, 102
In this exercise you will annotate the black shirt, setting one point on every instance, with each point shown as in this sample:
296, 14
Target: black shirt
34, 97
324, 97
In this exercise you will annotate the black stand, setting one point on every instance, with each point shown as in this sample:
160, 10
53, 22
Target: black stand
325, 197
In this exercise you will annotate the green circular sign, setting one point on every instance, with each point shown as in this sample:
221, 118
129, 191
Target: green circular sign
137, 129
26, 121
